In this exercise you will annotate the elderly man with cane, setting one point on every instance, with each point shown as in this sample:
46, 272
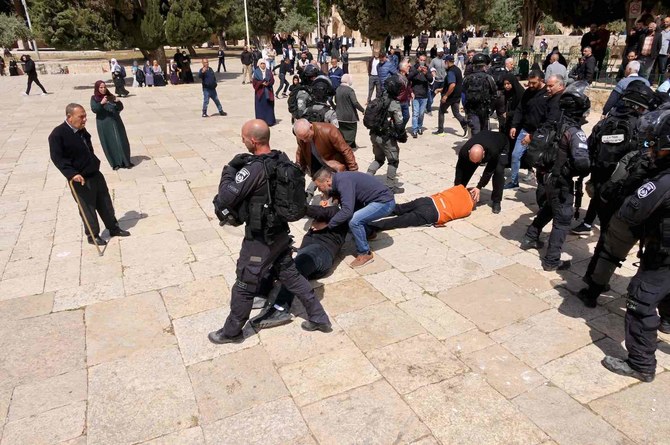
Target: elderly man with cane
72, 153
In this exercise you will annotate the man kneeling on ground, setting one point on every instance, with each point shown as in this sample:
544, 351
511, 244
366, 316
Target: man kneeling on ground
438, 209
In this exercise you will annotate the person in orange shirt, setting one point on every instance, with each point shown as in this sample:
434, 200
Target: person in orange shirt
438, 209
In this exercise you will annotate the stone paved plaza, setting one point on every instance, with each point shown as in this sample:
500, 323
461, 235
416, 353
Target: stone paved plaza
452, 336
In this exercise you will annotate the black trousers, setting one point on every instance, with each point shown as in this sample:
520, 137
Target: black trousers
312, 261
95, 200
282, 83
465, 169
556, 207
33, 78
222, 63
454, 110
599, 176
614, 244
416, 213
499, 106
647, 291
477, 121
256, 259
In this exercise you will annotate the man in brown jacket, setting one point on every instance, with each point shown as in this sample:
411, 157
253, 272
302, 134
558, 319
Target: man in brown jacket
319, 143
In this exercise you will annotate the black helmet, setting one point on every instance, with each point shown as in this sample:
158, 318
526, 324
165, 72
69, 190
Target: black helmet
480, 59
311, 71
654, 129
497, 60
574, 102
393, 86
637, 93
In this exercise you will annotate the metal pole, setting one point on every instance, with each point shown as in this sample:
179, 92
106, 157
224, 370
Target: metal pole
318, 20
246, 21
30, 26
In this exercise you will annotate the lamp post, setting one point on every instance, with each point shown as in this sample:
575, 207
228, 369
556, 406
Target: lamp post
318, 20
30, 26
246, 21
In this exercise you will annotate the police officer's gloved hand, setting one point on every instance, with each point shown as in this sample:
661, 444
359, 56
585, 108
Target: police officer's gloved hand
239, 161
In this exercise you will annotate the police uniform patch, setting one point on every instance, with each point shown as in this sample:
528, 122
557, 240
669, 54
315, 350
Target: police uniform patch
242, 175
582, 136
646, 190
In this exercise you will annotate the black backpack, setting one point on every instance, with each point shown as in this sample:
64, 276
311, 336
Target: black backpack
477, 91
286, 190
497, 72
611, 140
542, 150
375, 117
139, 76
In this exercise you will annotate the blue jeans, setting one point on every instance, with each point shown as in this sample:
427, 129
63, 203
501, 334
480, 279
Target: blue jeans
210, 93
370, 212
517, 154
404, 107
418, 110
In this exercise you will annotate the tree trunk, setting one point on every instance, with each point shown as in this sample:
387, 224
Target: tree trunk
191, 51
159, 55
530, 17
145, 54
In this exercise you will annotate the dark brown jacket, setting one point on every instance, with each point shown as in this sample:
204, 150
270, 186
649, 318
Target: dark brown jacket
331, 147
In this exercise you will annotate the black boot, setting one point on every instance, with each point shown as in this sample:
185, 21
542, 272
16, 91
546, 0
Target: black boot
664, 326
270, 318
622, 367
311, 326
218, 337
589, 295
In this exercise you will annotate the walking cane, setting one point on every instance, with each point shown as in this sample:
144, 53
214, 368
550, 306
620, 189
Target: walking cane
83, 216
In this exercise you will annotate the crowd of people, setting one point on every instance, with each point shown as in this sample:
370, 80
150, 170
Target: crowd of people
537, 127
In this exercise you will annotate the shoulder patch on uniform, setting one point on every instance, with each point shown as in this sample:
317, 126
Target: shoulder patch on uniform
242, 175
646, 190
581, 135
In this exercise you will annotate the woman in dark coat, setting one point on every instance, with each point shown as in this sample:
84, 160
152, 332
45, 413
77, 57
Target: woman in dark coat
346, 106
512, 91
264, 98
111, 130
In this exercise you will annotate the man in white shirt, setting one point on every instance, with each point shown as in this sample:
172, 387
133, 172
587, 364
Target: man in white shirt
555, 68
373, 76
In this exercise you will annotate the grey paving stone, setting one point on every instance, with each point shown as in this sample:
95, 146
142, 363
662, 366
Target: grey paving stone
191, 436
235, 382
436, 317
348, 295
475, 413
139, 397
369, 414
118, 328
565, 420
26, 307
55, 426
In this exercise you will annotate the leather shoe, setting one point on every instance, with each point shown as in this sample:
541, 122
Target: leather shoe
495, 207
529, 243
664, 326
562, 265
218, 337
311, 326
98, 240
119, 232
589, 297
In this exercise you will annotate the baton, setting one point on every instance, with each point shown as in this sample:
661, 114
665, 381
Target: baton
83, 216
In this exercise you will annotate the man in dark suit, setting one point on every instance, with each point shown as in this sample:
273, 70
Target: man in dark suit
72, 153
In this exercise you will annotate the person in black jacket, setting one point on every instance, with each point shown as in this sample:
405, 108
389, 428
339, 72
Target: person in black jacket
31, 71
420, 78
315, 258
587, 69
72, 153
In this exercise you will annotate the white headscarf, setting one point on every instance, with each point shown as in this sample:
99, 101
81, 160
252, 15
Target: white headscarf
114, 65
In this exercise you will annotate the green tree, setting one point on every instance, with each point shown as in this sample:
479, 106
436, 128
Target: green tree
185, 24
225, 15
582, 13
12, 29
294, 21
263, 16
377, 19
504, 15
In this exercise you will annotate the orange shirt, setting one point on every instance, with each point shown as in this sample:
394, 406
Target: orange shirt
452, 203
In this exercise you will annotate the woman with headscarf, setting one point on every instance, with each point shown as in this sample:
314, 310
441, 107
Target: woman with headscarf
112, 132
187, 74
118, 76
264, 98
347, 104
149, 73
174, 73
159, 79
512, 91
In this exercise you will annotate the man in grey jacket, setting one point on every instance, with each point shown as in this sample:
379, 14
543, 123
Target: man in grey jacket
346, 106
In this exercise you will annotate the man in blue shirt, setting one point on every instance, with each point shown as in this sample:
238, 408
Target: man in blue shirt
362, 199
385, 69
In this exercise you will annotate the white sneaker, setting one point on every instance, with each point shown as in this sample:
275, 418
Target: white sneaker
24, 94
43, 94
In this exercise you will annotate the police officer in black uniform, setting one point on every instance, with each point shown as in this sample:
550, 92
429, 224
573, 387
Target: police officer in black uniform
480, 91
648, 210
243, 191
556, 188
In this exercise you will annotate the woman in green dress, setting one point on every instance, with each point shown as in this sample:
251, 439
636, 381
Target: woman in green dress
112, 132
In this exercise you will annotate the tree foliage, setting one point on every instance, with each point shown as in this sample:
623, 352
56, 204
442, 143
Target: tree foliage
582, 13
185, 24
152, 27
225, 15
294, 21
504, 15
263, 16
378, 18
12, 29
